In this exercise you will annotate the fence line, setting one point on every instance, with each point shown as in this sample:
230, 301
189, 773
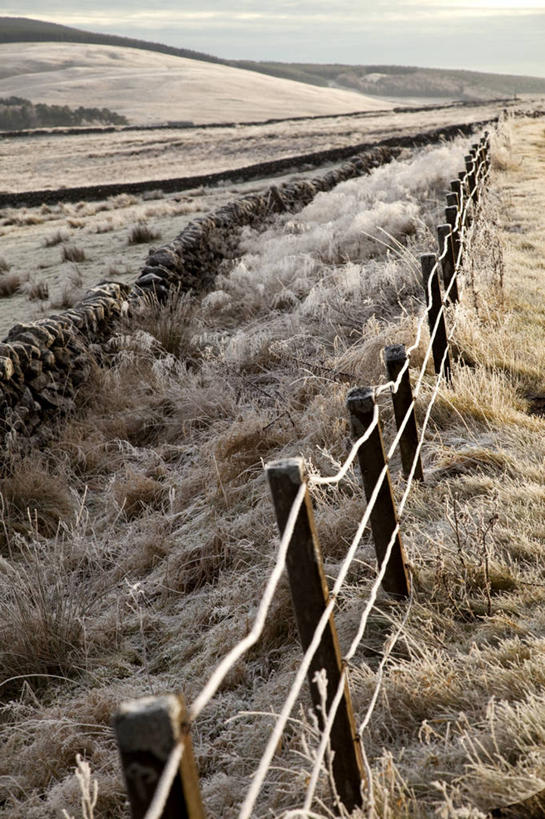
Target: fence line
467, 190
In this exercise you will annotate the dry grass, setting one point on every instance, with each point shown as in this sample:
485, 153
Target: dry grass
170, 323
10, 283
72, 253
37, 291
56, 238
173, 516
71, 292
142, 233
33, 501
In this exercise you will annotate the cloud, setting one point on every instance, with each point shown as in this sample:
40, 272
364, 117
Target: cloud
291, 12
490, 35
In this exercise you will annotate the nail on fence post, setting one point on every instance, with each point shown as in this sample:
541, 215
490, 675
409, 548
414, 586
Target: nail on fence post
430, 278
448, 263
147, 731
395, 359
310, 597
383, 519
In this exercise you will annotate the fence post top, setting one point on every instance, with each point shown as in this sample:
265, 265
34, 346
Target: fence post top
292, 468
149, 724
428, 261
395, 352
444, 228
360, 398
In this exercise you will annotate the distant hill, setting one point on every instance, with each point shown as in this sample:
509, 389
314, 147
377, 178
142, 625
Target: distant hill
150, 88
374, 80
406, 81
27, 30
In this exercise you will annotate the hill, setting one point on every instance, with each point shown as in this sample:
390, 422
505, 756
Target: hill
150, 87
406, 81
375, 80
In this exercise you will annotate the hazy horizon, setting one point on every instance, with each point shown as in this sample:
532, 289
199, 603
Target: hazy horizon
500, 36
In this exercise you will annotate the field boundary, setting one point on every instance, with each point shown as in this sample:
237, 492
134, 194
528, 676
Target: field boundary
243, 174
193, 126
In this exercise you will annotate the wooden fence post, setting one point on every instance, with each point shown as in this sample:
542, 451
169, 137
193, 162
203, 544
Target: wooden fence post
448, 262
310, 597
383, 518
457, 188
430, 277
470, 168
395, 359
453, 215
148, 730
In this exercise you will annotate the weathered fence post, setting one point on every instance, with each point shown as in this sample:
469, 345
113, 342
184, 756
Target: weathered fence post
457, 188
448, 262
148, 730
383, 517
453, 215
436, 316
470, 169
395, 359
310, 597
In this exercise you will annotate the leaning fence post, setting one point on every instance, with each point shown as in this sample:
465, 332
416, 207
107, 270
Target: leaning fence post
448, 262
383, 518
148, 731
436, 315
395, 359
310, 597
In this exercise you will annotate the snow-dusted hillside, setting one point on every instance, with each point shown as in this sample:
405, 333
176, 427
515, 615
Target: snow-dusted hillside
149, 87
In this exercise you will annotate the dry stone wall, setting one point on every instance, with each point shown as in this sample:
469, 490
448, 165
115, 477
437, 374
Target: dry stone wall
44, 363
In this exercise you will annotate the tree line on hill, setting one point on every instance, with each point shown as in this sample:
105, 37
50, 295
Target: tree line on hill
17, 113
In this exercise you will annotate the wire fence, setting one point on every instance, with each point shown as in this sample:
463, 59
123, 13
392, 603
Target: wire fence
340, 753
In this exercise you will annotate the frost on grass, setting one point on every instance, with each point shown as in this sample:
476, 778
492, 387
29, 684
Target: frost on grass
169, 514
353, 247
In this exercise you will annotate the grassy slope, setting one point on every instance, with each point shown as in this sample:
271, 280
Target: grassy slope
174, 530
399, 81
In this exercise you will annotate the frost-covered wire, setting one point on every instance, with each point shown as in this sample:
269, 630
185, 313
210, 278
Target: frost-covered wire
240, 648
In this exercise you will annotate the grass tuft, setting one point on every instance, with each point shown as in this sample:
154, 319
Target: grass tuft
72, 253
142, 233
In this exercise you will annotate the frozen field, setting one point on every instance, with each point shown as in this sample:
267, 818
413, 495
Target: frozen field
54, 161
148, 87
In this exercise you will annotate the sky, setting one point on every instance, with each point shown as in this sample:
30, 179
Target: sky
506, 36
